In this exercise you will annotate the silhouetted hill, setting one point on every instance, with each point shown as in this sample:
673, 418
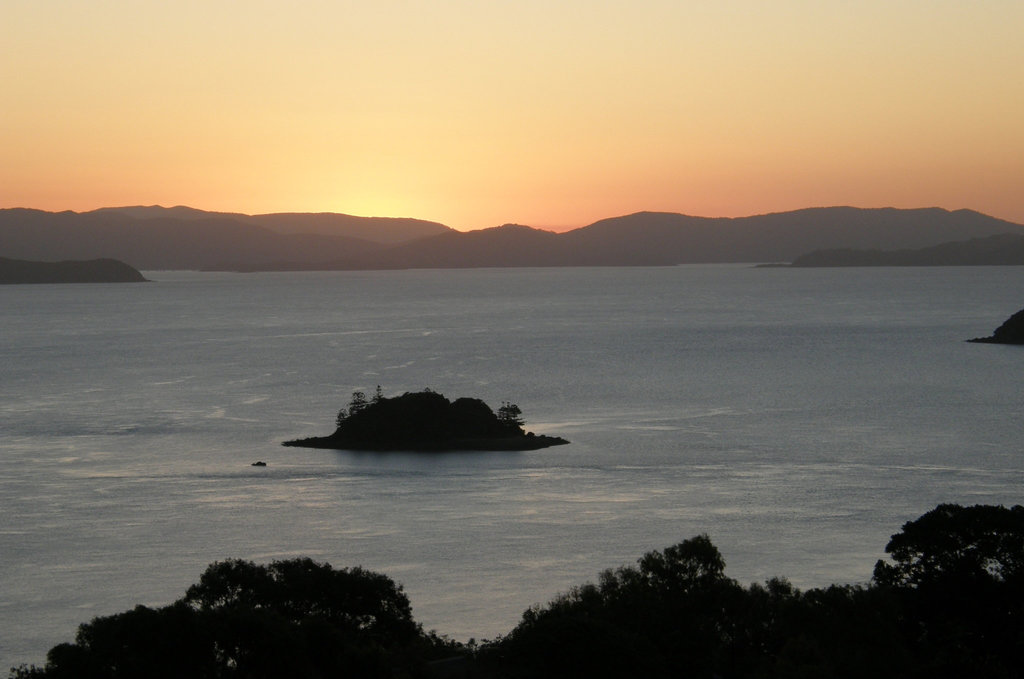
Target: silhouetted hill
155, 211
427, 421
780, 237
386, 230
184, 238
510, 245
655, 239
1002, 249
91, 271
216, 243
1010, 332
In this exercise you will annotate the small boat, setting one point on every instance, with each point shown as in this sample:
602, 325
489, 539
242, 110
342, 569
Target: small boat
259, 463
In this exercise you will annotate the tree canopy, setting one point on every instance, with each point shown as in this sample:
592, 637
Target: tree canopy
292, 618
951, 604
954, 543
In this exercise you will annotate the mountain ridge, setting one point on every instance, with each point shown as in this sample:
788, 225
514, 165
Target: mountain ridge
154, 238
394, 229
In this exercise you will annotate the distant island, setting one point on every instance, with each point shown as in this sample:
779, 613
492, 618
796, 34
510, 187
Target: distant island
427, 421
155, 238
1010, 332
91, 271
1006, 249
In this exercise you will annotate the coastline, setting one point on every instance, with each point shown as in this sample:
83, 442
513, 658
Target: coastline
510, 443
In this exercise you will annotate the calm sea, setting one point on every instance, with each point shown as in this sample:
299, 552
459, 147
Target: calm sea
799, 417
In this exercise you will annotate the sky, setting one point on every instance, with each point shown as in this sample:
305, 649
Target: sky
479, 113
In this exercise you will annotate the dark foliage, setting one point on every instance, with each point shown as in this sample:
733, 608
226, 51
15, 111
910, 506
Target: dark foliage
950, 604
958, 574
958, 545
366, 606
420, 418
510, 415
294, 618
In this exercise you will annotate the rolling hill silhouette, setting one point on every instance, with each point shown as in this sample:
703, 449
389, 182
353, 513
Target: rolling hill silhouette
386, 230
153, 238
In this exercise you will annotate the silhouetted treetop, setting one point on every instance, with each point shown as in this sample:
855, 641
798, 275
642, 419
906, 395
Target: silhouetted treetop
510, 415
950, 605
356, 600
292, 618
951, 542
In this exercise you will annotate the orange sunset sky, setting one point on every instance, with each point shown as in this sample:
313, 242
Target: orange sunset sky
476, 113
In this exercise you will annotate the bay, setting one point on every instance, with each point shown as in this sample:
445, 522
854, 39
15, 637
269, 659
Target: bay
798, 417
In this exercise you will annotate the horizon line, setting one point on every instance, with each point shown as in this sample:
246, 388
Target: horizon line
562, 228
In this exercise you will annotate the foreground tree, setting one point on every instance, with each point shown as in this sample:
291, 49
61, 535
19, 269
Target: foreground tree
665, 617
362, 604
983, 543
958, 575
951, 604
293, 618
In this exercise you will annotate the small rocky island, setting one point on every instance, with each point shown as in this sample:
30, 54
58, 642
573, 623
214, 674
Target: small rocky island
1010, 332
427, 421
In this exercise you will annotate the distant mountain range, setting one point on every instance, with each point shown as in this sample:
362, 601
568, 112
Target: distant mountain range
387, 230
155, 238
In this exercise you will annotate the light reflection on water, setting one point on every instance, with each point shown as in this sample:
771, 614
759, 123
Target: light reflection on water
797, 417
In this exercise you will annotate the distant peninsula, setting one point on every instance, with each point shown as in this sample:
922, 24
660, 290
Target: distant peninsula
427, 421
1010, 332
89, 271
1006, 249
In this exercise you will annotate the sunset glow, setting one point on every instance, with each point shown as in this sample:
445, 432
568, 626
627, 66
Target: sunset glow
480, 113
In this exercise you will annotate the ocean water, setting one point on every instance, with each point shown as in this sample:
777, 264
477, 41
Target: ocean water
798, 417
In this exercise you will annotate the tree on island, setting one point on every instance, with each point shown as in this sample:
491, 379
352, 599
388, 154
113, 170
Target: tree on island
358, 403
510, 415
